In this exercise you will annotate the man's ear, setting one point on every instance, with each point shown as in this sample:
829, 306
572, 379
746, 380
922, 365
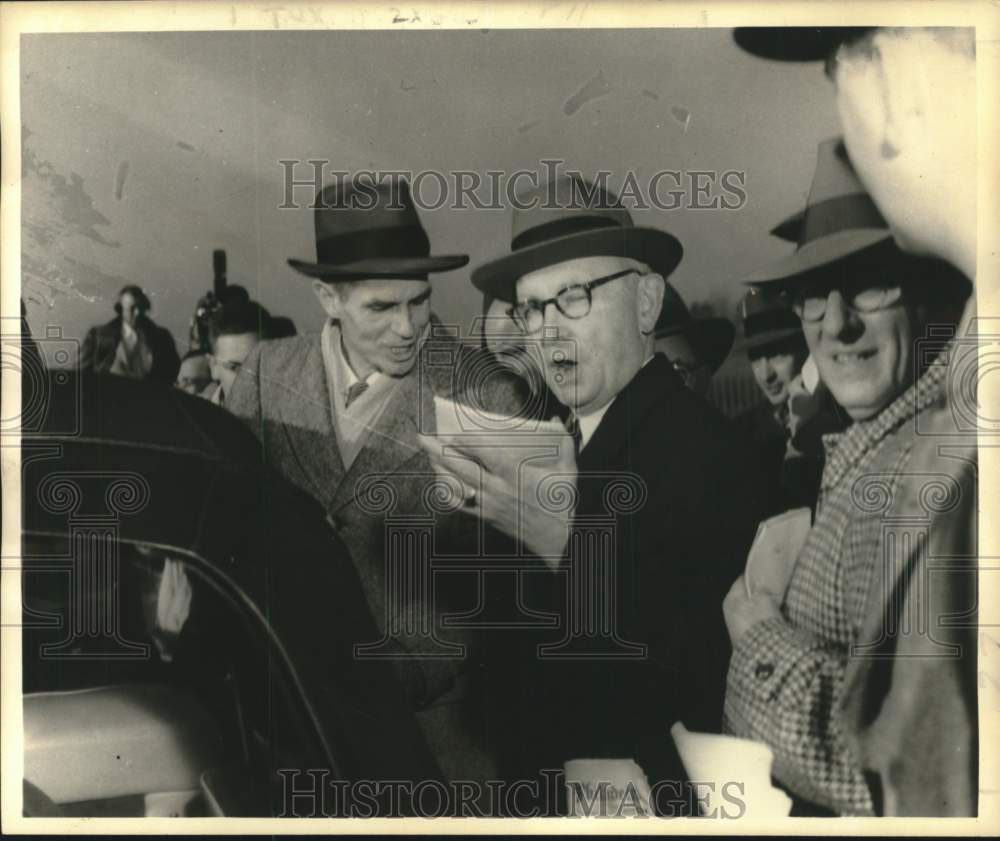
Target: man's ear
328, 298
649, 300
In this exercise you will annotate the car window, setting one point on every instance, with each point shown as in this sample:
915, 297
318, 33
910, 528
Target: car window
131, 620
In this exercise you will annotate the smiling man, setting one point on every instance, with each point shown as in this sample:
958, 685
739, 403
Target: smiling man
863, 305
655, 463
339, 413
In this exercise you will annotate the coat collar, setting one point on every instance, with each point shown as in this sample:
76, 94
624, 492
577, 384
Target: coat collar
308, 425
654, 382
846, 449
392, 440
304, 409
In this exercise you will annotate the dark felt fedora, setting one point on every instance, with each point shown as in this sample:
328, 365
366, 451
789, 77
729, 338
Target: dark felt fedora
839, 220
796, 43
767, 318
711, 339
569, 218
368, 230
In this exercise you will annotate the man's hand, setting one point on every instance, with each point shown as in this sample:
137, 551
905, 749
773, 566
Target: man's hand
742, 612
531, 498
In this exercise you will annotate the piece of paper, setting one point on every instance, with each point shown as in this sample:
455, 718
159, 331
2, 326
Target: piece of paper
504, 445
454, 418
775, 551
606, 788
732, 776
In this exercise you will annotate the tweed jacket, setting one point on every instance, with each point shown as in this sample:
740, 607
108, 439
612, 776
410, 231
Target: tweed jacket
911, 700
100, 344
383, 507
786, 681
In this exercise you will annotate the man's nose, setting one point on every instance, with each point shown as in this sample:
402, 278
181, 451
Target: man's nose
553, 321
403, 324
838, 316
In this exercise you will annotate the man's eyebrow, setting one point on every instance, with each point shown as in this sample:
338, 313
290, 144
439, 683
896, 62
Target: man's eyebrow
423, 296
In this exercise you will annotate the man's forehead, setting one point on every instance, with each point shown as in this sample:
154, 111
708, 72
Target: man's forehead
236, 341
388, 290
550, 279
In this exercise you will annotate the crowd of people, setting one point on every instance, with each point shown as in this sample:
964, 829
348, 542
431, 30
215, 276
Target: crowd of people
851, 339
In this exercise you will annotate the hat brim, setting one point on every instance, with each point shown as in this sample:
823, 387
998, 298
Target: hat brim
795, 43
772, 337
710, 338
819, 253
658, 249
381, 267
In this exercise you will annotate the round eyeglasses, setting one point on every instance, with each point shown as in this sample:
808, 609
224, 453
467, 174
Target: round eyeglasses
573, 301
861, 295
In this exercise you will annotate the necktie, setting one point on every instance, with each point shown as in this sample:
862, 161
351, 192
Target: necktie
355, 391
573, 428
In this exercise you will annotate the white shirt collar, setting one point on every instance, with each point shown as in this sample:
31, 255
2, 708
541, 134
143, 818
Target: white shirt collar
343, 373
590, 422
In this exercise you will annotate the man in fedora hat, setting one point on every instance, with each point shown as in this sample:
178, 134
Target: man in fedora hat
863, 304
787, 429
339, 413
907, 99
655, 462
696, 347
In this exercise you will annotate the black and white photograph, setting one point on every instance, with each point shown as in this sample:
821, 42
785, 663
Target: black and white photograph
558, 411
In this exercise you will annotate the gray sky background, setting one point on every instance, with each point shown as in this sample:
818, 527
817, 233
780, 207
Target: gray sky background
144, 152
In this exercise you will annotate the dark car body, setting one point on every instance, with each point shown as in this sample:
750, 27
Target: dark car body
259, 691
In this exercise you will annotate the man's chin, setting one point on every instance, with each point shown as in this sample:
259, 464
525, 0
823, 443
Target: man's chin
391, 368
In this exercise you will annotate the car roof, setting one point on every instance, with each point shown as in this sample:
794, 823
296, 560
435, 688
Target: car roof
65, 406
179, 463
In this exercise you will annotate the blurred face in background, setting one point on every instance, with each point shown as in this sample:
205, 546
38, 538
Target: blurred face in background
774, 367
195, 374
696, 374
130, 309
228, 355
508, 344
381, 322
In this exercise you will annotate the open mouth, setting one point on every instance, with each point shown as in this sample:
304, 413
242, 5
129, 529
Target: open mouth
402, 352
853, 358
561, 363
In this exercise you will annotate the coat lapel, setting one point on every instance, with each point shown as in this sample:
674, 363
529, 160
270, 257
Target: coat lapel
391, 442
305, 413
651, 384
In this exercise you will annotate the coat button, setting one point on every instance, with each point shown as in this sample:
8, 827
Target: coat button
763, 671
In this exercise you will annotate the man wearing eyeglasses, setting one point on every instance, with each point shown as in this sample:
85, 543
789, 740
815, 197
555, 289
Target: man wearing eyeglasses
863, 305
655, 464
907, 99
